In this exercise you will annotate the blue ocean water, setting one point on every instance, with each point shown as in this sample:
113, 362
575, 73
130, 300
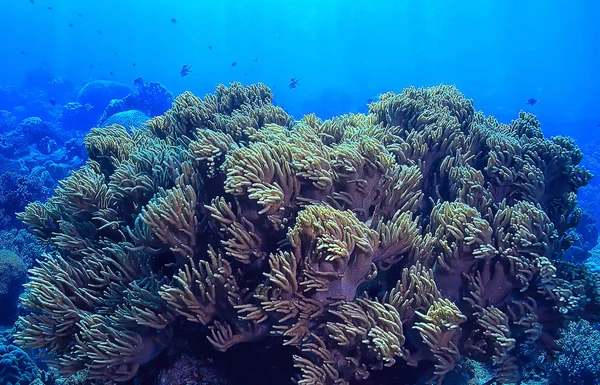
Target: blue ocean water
68, 66
498, 53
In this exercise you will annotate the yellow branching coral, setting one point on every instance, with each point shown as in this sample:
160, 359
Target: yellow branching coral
142, 306
72, 321
113, 353
199, 289
376, 325
242, 242
209, 149
41, 219
404, 238
109, 144
247, 120
172, 217
263, 173
429, 129
493, 324
524, 233
440, 330
330, 131
135, 180
363, 170
467, 185
83, 191
523, 314
365, 335
330, 243
187, 113
460, 232
321, 373
398, 237
60, 302
279, 299
409, 109
405, 193
415, 291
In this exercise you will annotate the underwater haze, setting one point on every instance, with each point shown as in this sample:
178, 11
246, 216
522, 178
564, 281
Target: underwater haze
319, 192
345, 52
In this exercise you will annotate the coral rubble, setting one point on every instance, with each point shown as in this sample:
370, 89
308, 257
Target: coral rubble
401, 240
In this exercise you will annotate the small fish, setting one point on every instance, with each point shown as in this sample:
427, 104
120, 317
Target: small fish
91, 66
134, 64
23, 53
111, 73
116, 53
174, 20
598, 125
99, 32
255, 60
531, 101
185, 70
245, 73
88, 106
70, 25
32, 2
234, 64
210, 47
52, 101
80, 14
49, 8
293, 83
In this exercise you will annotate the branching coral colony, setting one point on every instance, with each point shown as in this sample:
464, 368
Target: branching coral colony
409, 237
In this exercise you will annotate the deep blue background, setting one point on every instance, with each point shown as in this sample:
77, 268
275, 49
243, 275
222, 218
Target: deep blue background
500, 53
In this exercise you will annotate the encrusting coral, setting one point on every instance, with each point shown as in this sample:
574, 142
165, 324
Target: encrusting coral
399, 240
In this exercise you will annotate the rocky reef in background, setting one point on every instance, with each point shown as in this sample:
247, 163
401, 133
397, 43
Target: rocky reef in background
377, 248
42, 126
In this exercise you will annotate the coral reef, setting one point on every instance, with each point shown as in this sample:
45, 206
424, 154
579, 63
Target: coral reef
395, 242
150, 98
29, 132
74, 148
588, 231
61, 90
589, 196
7, 121
41, 154
584, 239
16, 368
10, 97
13, 274
36, 104
578, 362
99, 93
76, 116
190, 370
128, 119
33, 129
16, 192
22, 243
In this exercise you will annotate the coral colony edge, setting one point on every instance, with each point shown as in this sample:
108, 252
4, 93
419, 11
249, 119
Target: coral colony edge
370, 249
